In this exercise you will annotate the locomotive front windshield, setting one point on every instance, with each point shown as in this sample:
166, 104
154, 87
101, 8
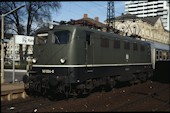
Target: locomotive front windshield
41, 38
58, 37
61, 37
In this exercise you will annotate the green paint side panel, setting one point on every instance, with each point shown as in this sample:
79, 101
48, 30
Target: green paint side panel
78, 52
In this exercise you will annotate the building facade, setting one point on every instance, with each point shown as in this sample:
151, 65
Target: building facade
11, 50
11, 47
148, 28
91, 23
150, 9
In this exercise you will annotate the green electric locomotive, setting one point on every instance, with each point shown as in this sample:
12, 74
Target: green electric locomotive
72, 59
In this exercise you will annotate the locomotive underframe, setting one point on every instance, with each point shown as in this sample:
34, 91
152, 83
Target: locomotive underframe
75, 80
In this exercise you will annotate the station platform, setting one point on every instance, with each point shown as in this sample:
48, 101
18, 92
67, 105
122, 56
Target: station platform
11, 91
12, 86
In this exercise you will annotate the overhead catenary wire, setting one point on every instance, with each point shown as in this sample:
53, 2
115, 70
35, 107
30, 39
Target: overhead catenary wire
95, 9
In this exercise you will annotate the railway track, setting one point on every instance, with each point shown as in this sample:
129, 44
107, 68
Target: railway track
147, 100
148, 96
18, 105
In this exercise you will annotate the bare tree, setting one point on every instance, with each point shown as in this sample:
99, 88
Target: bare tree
26, 20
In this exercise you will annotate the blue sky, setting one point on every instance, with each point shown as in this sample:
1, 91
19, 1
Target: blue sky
75, 10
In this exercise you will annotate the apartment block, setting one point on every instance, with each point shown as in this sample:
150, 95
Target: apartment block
150, 9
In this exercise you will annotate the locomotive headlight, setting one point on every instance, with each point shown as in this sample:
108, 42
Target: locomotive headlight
34, 60
62, 60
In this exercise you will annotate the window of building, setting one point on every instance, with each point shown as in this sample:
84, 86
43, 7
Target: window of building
123, 29
140, 6
159, 3
160, 55
168, 55
160, 7
164, 55
134, 29
157, 55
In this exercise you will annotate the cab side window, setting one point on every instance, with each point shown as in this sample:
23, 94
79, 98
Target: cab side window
88, 38
116, 44
104, 42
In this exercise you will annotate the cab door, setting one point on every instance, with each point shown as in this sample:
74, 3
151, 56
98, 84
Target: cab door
89, 48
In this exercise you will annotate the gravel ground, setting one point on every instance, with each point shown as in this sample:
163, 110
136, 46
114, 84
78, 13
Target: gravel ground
148, 96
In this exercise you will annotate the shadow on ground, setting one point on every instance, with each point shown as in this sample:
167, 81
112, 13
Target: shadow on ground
162, 72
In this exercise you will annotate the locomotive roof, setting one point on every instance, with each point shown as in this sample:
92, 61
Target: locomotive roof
109, 34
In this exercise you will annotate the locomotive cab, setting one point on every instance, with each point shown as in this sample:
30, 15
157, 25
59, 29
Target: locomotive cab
60, 55
47, 42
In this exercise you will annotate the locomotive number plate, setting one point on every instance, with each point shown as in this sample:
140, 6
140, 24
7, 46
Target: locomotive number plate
47, 70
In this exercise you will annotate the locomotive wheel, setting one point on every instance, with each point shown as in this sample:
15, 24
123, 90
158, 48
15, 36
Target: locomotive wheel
67, 95
82, 93
44, 92
143, 78
67, 90
133, 80
39, 89
112, 83
31, 91
28, 92
87, 91
79, 91
51, 94
51, 97
74, 94
89, 86
26, 88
